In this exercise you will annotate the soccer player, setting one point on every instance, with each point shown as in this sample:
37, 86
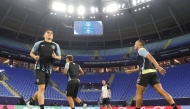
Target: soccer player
106, 95
73, 71
148, 75
44, 52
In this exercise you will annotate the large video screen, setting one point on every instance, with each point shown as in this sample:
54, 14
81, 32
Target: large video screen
88, 28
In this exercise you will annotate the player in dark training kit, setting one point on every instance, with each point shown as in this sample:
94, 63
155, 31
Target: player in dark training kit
148, 75
73, 71
44, 52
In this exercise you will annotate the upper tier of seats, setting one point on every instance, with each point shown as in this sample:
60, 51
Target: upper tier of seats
177, 41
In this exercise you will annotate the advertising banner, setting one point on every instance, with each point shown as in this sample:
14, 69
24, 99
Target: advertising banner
151, 107
36, 107
81, 108
59, 107
6, 106
185, 107
48, 107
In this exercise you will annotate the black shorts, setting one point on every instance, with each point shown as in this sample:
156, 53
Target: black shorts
149, 78
42, 77
72, 88
106, 101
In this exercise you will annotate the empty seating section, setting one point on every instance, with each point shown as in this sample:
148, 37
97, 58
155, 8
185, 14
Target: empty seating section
23, 80
4, 91
156, 45
176, 82
116, 51
178, 41
93, 96
12, 43
91, 53
78, 52
67, 51
60, 80
95, 78
84, 95
101, 52
124, 50
152, 46
123, 86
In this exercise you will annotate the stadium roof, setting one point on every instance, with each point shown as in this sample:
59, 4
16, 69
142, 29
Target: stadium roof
26, 20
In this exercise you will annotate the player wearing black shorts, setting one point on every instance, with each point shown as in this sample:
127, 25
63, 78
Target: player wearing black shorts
148, 75
73, 71
44, 52
105, 95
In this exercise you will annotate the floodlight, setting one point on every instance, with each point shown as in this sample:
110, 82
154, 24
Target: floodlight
70, 9
58, 6
81, 10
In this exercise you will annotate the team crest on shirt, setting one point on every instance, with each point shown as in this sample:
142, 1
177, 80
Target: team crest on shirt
37, 81
53, 46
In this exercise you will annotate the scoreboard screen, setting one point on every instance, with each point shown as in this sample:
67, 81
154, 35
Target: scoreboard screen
88, 28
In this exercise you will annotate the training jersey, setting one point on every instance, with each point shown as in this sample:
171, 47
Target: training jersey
145, 65
105, 93
44, 50
73, 70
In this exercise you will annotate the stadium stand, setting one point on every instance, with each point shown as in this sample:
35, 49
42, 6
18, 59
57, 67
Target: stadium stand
153, 46
125, 50
4, 91
125, 84
101, 52
91, 53
14, 44
123, 87
22, 81
61, 80
176, 82
177, 41
116, 51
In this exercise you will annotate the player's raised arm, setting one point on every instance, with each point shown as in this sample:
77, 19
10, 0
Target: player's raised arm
132, 70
